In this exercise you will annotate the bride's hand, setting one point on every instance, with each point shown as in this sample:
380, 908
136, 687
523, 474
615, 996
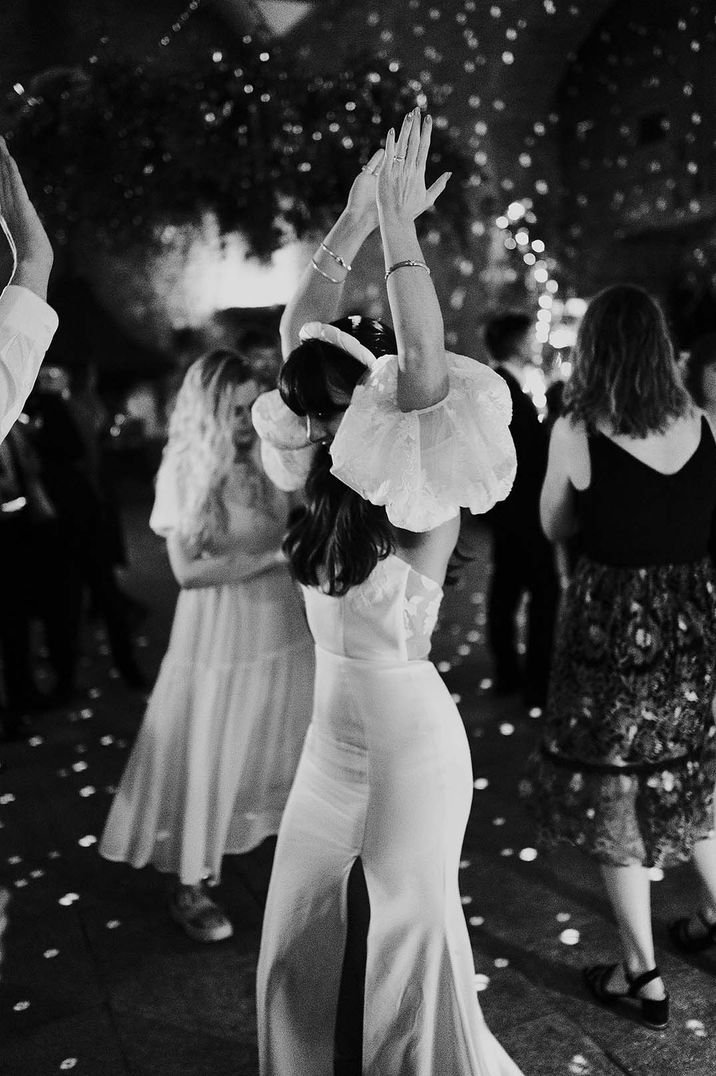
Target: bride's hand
401, 191
361, 199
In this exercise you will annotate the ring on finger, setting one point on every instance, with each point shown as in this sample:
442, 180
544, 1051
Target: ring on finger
396, 158
370, 171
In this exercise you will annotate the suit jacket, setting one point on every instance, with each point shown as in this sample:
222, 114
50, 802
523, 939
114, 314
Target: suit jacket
518, 514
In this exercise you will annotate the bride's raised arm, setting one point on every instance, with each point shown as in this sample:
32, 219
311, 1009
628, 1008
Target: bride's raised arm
417, 319
320, 289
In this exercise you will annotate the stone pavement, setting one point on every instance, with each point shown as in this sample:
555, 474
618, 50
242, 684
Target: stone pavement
98, 980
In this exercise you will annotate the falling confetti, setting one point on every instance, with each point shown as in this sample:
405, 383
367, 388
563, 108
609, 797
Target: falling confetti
569, 937
481, 982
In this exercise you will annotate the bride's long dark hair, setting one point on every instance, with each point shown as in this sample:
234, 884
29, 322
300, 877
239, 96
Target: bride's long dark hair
336, 541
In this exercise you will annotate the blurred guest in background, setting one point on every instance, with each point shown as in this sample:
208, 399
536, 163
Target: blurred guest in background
701, 375
628, 756
94, 422
554, 395
78, 557
522, 559
27, 323
215, 758
261, 348
25, 509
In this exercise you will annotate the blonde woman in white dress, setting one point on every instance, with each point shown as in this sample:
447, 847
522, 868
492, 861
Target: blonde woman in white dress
216, 754
392, 448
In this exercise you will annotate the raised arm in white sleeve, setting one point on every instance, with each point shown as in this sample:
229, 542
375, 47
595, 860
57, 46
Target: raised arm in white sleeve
27, 323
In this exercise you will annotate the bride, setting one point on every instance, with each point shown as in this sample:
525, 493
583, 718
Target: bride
390, 447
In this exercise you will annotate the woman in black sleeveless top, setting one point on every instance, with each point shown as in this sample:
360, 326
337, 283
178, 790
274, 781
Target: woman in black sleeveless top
628, 756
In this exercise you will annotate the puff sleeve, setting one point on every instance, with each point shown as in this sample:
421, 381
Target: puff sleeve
285, 455
425, 465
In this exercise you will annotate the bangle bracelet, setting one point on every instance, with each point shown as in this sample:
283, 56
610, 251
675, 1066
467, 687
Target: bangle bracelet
332, 279
336, 257
407, 264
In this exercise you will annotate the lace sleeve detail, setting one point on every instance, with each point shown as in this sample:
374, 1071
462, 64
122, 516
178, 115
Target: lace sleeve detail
425, 465
285, 455
287, 468
276, 423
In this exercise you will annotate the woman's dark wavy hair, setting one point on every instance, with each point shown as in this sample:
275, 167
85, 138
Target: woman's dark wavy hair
624, 370
336, 541
701, 356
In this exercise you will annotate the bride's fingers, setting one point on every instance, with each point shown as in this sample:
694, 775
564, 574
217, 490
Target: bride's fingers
401, 147
375, 162
424, 148
435, 190
414, 140
389, 151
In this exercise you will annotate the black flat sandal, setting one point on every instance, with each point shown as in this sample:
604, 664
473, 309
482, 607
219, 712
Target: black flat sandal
679, 934
654, 1014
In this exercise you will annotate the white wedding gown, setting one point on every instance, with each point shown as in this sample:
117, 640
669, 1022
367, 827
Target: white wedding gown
385, 774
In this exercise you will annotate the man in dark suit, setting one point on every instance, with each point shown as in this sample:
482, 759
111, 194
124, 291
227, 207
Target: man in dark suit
522, 558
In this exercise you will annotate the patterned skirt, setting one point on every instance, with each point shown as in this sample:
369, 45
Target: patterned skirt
627, 763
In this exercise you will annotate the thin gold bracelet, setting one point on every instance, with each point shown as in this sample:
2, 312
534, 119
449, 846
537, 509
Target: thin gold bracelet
332, 279
408, 263
336, 257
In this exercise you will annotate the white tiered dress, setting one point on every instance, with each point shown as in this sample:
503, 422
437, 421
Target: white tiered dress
215, 757
385, 772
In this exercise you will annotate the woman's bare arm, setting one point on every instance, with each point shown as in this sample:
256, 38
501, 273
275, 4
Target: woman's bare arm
235, 566
557, 507
414, 306
320, 289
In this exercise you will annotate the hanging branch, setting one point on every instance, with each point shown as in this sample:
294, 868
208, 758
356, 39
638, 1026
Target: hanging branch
122, 150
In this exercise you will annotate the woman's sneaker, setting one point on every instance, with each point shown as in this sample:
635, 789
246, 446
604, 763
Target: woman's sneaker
198, 915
